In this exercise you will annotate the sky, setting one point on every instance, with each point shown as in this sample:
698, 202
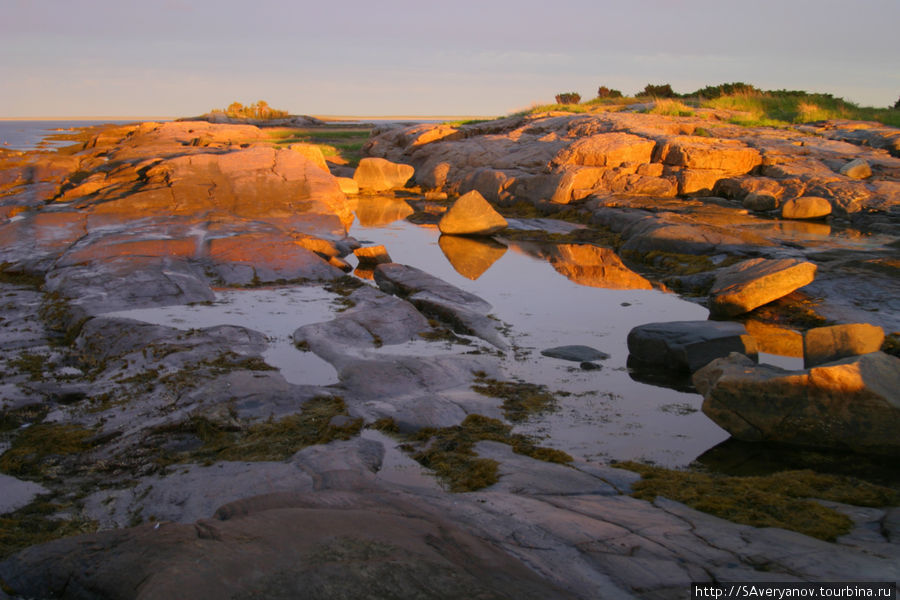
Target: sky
65, 58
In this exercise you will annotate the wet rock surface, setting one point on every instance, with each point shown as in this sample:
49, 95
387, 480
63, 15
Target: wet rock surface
185, 448
688, 345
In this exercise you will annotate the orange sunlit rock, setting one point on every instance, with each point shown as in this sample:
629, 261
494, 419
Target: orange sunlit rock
471, 257
595, 267
773, 339
375, 211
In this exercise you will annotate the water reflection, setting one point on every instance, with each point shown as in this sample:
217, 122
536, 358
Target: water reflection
734, 457
587, 265
376, 211
471, 257
603, 414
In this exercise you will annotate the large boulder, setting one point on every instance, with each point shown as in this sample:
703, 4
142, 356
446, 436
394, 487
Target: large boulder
381, 175
607, 150
471, 214
752, 283
687, 345
853, 403
827, 344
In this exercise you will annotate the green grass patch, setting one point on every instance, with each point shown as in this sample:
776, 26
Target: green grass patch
520, 399
449, 452
778, 500
36, 524
782, 108
40, 447
670, 108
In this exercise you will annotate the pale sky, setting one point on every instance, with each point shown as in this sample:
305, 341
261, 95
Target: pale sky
425, 57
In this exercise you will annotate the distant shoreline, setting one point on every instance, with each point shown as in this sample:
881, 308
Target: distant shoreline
321, 117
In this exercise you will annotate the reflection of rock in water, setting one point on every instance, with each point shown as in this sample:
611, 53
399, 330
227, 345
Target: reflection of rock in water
469, 256
375, 211
773, 339
660, 377
594, 266
736, 457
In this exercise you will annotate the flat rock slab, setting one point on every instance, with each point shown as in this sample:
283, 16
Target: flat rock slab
575, 353
740, 288
344, 546
853, 403
688, 345
15, 493
827, 344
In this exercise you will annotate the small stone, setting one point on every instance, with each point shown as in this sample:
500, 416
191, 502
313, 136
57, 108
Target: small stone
590, 366
372, 255
857, 169
575, 353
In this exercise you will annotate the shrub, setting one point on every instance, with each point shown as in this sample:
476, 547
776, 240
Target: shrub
257, 110
726, 89
658, 91
568, 98
605, 92
897, 104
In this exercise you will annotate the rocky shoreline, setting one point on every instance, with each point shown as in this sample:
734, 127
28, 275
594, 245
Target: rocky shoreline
192, 467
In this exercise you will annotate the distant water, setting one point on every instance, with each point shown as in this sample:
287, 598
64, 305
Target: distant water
28, 135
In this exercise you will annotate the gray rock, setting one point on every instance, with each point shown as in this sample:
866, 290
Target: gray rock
15, 493
464, 311
853, 403
826, 344
521, 474
575, 353
325, 546
688, 345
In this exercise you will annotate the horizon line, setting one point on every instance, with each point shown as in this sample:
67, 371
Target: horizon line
172, 118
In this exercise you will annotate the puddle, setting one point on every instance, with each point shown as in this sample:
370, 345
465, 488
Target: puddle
275, 312
603, 414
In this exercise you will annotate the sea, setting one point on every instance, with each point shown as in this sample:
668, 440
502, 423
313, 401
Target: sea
30, 135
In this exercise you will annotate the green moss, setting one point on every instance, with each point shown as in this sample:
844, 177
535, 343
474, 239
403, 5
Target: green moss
29, 363
9, 274
385, 425
39, 447
449, 452
778, 500
891, 344
520, 399
270, 440
12, 419
36, 524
